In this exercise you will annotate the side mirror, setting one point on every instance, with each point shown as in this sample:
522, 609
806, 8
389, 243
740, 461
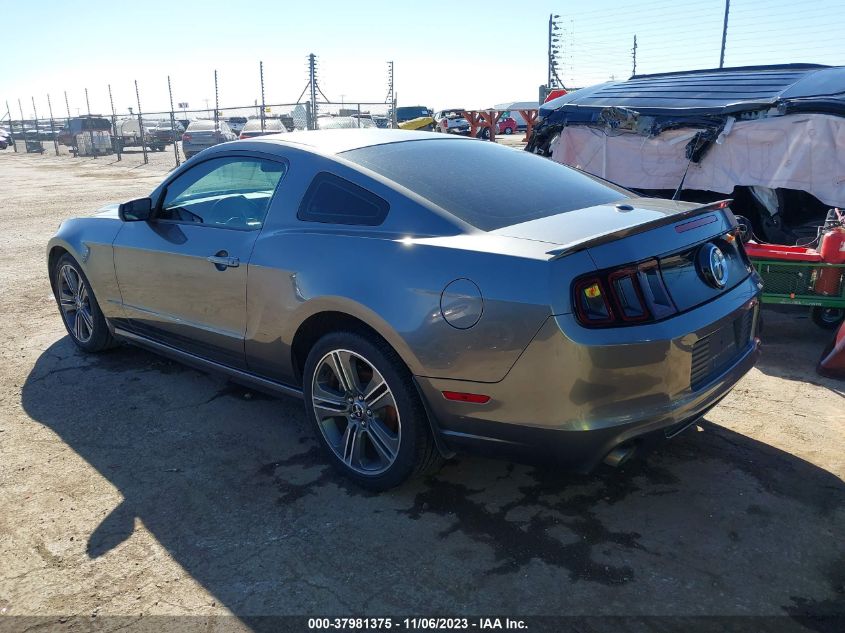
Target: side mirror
138, 210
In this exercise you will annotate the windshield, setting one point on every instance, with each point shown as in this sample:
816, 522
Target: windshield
503, 186
412, 112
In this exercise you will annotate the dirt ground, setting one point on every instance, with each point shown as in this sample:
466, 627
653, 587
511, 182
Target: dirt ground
132, 485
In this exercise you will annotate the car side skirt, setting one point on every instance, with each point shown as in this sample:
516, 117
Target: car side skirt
262, 384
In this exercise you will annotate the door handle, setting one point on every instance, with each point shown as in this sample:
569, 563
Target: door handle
223, 260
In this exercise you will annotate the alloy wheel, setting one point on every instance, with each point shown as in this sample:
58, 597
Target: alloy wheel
75, 304
356, 412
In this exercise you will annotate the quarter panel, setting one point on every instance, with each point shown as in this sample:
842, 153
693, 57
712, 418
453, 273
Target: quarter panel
394, 285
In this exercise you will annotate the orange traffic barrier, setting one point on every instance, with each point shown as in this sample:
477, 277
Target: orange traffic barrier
832, 363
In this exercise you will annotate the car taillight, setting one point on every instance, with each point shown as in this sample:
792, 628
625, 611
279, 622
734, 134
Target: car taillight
186, 138
591, 302
622, 296
242, 136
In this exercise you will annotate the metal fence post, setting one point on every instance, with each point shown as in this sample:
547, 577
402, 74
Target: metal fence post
90, 130
11, 129
141, 123
116, 144
173, 123
359, 115
52, 125
309, 119
263, 106
216, 107
73, 147
37, 135
23, 126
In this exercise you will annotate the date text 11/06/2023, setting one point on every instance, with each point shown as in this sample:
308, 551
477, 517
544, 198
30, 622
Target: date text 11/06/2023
413, 624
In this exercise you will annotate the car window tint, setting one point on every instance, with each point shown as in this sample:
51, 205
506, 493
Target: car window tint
485, 184
225, 192
337, 201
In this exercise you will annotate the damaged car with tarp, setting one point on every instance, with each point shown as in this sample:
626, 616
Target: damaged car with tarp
769, 137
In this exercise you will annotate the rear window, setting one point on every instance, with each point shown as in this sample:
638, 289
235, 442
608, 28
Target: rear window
334, 200
485, 184
201, 126
273, 125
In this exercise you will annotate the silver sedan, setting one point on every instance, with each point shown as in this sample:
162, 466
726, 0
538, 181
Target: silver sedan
424, 294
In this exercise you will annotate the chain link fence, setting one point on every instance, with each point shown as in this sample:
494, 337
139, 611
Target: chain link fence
166, 138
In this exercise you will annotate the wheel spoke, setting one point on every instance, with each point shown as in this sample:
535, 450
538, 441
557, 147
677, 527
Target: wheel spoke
377, 393
342, 362
66, 301
71, 286
89, 322
351, 445
77, 326
385, 442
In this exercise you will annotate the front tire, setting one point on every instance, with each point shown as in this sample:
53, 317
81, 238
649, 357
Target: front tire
81, 314
367, 414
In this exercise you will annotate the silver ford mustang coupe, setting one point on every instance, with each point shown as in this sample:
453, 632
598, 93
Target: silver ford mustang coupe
423, 294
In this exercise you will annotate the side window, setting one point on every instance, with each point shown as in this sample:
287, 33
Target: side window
333, 200
229, 192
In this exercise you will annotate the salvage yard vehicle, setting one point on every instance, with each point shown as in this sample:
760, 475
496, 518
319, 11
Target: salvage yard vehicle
332, 122
770, 137
131, 133
415, 118
253, 128
556, 317
164, 132
451, 120
204, 133
80, 124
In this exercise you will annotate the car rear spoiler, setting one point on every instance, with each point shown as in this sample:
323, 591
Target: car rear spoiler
598, 240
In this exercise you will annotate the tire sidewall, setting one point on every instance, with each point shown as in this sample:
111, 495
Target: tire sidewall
407, 401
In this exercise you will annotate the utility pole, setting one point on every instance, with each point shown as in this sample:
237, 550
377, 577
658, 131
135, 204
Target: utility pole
554, 49
634, 56
724, 33
315, 88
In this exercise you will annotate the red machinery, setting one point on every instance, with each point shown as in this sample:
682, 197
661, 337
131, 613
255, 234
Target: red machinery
814, 277
801, 275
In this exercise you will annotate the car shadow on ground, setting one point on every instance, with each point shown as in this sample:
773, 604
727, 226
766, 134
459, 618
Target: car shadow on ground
785, 327
233, 485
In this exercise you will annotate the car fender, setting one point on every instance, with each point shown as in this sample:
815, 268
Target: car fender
89, 242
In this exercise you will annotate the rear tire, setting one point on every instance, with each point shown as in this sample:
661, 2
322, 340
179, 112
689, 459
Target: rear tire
366, 412
508, 130
80, 312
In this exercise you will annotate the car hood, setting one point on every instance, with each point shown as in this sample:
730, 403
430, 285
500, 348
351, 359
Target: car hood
581, 228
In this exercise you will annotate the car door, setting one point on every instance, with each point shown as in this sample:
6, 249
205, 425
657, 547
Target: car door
183, 273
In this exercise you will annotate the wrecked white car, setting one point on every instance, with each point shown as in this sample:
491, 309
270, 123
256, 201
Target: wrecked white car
766, 136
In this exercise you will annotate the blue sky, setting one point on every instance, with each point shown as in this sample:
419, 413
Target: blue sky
444, 56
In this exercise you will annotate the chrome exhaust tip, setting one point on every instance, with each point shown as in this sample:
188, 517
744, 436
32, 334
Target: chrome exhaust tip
620, 455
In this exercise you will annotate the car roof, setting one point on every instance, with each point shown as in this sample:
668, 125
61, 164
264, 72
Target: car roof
713, 91
338, 140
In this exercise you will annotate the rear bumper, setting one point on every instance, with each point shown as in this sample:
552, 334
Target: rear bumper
574, 394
